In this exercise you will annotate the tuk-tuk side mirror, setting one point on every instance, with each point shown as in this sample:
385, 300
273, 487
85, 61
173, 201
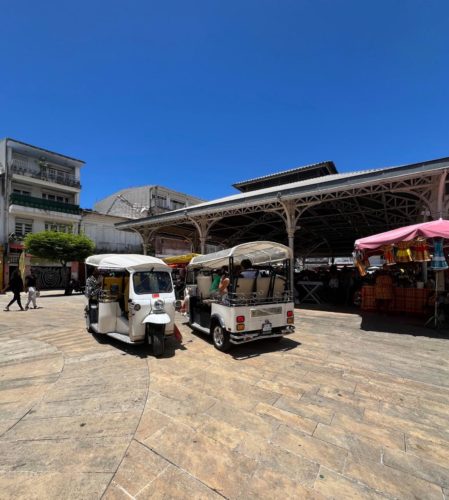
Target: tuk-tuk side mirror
178, 305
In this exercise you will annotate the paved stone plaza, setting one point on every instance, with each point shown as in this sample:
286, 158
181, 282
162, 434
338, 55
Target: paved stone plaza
345, 408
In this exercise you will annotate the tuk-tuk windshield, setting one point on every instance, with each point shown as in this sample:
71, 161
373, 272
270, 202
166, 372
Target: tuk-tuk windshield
146, 282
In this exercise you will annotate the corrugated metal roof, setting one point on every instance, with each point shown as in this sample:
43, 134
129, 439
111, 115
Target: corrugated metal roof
301, 188
290, 171
41, 149
290, 185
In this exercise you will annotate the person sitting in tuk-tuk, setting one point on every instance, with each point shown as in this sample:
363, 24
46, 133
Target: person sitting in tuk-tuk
248, 271
220, 283
216, 278
224, 284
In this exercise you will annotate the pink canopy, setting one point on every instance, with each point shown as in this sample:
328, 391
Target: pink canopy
434, 229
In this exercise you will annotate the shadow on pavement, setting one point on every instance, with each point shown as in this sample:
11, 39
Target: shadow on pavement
253, 349
139, 350
397, 323
401, 324
261, 347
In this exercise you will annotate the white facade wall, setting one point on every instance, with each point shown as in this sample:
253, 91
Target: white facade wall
35, 177
101, 229
28, 169
143, 201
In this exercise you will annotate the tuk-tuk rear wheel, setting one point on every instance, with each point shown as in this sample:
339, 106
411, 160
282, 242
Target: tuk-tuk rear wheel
220, 338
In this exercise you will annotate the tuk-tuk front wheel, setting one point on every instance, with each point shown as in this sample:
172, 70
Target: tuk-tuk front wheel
220, 338
156, 338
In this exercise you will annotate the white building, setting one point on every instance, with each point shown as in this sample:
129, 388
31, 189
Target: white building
144, 201
100, 228
40, 190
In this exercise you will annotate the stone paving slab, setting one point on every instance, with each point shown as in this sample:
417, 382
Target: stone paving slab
67, 485
347, 407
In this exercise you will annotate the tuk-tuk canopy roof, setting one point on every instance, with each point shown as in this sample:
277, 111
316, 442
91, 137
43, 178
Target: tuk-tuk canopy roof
258, 252
130, 262
180, 259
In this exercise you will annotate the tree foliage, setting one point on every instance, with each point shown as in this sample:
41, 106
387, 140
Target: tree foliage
62, 247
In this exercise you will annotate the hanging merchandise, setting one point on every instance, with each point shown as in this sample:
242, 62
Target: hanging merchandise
438, 259
388, 255
360, 267
403, 253
420, 250
358, 262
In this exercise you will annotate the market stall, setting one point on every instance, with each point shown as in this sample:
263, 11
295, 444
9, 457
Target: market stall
178, 263
408, 300
412, 279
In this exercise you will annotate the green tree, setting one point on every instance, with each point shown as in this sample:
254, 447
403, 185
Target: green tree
62, 247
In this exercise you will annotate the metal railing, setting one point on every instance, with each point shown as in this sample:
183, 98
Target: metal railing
42, 204
64, 179
13, 259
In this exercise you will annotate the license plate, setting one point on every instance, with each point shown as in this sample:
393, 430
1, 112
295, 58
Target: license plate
266, 327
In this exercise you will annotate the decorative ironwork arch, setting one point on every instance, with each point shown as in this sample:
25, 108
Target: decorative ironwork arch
378, 199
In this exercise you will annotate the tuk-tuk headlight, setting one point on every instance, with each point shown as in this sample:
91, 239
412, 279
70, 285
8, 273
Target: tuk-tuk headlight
136, 307
158, 305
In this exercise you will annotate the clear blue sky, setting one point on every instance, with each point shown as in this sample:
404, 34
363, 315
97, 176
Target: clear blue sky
196, 95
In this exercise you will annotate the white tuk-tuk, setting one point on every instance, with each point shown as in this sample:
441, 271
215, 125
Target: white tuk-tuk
255, 307
134, 301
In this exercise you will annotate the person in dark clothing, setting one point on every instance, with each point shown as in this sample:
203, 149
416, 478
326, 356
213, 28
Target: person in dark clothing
16, 287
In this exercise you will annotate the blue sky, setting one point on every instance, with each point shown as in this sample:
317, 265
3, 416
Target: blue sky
198, 95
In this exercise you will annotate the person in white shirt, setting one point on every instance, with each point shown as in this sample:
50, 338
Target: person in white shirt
248, 271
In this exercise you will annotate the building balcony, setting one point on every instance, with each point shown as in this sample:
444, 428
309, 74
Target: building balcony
42, 204
43, 175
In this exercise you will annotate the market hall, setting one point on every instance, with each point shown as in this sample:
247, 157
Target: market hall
314, 209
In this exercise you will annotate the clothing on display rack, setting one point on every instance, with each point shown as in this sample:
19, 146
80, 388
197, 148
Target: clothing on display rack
438, 259
388, 255
420, 250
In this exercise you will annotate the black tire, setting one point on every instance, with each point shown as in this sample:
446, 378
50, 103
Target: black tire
156, 337
220, 338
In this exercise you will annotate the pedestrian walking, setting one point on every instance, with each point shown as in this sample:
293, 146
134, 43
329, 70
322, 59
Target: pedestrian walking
30, 287
16, 287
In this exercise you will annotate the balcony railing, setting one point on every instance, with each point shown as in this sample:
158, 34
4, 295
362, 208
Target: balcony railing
64, 179
13, 259
42, 204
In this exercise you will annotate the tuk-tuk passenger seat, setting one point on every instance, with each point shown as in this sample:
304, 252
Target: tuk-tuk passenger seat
263, 287
279, 286
244, 288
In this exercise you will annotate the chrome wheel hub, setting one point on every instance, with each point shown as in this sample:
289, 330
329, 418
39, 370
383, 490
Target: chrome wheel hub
218, 336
